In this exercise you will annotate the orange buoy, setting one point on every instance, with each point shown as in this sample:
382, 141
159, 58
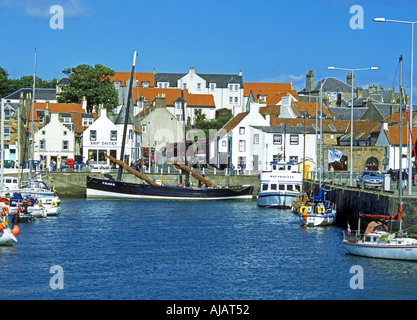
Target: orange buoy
1, 226
15, 230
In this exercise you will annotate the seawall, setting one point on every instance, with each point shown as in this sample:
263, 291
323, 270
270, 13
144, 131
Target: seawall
351, 201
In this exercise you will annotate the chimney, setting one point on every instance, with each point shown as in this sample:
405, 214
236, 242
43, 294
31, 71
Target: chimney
103, 112
84, 104
349, 78
240, 73
309, 80
160, 101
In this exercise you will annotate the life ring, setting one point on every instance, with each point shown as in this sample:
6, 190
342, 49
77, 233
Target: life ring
54, 203
321, 209
303, 209
5, 209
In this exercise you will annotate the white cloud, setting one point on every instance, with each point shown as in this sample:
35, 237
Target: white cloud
40, 8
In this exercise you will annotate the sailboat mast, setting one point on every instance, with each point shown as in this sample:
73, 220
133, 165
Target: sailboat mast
187, 175
31, 123
129, 97
401, 135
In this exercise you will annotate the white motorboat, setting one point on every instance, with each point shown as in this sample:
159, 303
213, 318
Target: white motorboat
280, 187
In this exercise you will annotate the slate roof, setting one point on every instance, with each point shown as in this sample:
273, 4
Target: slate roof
330, 84
286, 129
221, 80
344, 113
122, 116
40, 94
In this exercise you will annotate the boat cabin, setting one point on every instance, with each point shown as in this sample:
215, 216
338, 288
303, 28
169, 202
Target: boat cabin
283, 178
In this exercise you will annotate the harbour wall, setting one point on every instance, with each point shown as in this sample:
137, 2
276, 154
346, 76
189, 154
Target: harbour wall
351, 201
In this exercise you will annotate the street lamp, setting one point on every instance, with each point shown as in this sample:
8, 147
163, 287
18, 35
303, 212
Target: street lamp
410, 147
351, 116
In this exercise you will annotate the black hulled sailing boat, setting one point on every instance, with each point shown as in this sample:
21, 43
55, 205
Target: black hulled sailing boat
116, 188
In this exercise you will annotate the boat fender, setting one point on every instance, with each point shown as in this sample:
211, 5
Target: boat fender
1, 226
303, 209
15, 230
5, 223
321, 209
305, 216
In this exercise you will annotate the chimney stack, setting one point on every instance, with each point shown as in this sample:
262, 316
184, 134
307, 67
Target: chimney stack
309, 80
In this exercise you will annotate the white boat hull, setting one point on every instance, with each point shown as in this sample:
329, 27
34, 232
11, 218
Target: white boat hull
397, 252
52, 210
317, 220
7, 238
276, 199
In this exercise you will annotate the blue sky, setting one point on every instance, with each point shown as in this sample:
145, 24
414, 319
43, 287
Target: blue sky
269, 40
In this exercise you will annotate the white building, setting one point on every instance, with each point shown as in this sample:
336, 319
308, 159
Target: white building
227, 89
54, 143
105, 137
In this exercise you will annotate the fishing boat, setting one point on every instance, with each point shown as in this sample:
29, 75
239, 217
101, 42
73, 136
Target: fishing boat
279, 187
317, 211
116, 188
377, 241
112, 188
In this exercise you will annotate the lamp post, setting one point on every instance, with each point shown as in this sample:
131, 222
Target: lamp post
410, 147
351, 116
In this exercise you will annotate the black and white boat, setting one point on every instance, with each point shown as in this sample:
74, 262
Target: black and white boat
116, 188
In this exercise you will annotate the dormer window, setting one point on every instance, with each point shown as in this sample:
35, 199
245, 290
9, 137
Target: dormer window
117, 85
212, 86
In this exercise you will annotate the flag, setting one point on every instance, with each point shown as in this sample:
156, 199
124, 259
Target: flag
334, 156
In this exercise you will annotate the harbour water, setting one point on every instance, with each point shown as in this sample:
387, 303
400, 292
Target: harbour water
129, 249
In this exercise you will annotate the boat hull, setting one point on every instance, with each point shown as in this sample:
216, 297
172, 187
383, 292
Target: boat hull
397, 252
103, 188
276, 200
317, 220
7, 238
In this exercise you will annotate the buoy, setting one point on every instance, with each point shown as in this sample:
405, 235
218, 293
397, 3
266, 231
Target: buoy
15, 230
1, 226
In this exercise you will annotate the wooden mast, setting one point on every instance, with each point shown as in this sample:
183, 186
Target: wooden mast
123, 165
129, 96
188, 171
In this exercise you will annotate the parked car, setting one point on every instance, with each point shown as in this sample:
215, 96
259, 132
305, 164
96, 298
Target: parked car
370, 179
8, 163
79, 165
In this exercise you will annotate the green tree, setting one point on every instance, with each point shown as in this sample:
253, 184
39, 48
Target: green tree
93, 83
4, 83
200, 122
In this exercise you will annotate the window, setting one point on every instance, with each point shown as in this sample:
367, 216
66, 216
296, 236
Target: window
256, 138
87, 122
294, 139
230, 99
43, 132
230, 87
282, 187
294, 159
93, 135
143, 128
236, 99
289, 187
184, 86
273, 186
212, 86
42, 144
241, 130
265, 187
145, 84
242, 146
117, 84
236, 87
277, 138
65, 145
113, 135
223, 143
65, 133
198, 86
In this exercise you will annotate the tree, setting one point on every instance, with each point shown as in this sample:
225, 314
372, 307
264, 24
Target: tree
93, 83
202, 123
4, 86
